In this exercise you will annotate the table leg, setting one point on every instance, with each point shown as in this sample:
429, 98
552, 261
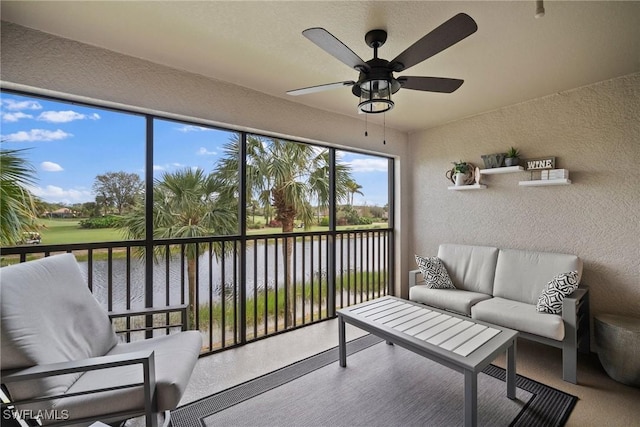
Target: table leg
342, 345
511, 371
470, 399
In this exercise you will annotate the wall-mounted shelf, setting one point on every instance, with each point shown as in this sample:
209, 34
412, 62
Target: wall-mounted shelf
506, 169
467, 187
544, 182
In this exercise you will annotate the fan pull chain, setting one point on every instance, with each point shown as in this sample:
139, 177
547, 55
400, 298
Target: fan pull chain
384, 128
366, 125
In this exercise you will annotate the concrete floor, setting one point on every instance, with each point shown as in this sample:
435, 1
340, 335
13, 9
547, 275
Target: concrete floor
602, 401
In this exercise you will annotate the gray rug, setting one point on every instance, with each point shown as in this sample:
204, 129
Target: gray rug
382, 385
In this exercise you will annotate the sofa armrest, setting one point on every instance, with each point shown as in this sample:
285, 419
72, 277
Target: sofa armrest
572, 304
413, 277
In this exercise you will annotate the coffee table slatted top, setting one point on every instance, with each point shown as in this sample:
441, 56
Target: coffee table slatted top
449, 332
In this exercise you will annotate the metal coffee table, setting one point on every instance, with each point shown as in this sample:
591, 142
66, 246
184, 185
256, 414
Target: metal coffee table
457, 342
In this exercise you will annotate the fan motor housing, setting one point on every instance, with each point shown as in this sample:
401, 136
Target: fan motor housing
379, 70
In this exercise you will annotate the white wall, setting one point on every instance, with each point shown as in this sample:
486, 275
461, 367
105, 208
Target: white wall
594, 132
46, 64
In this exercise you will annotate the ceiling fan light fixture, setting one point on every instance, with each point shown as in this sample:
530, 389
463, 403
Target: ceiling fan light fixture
375, 96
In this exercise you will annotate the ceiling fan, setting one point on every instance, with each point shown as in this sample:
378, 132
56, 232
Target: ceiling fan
376, 82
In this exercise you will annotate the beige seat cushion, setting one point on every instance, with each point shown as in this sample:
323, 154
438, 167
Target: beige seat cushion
456, 300
519, 316
49, 316
471, 268
523, 275
175, 357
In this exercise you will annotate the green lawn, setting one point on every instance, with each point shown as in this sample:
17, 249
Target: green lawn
65, 231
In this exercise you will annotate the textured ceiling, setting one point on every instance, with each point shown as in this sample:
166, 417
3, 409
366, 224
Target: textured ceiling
513, 57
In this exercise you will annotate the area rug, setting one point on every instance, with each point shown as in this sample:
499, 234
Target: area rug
382, 385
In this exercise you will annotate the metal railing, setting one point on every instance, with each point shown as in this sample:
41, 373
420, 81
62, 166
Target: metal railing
243, 288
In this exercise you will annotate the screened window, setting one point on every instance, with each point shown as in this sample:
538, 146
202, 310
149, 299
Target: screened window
84, 167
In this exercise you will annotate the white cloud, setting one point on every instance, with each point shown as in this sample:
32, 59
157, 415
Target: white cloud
202, 151
55, 194
168, 166
369, 165
51, 167
65, 116
14, 117
37, 135
13, 105
191, 128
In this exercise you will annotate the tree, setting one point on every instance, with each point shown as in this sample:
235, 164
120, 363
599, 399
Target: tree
117, 189
353, 188
17, 207
186, 204
285, 175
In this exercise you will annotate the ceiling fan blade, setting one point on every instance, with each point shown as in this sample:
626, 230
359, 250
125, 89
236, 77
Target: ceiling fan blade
430, 84
446, 35
319, 88
330, 44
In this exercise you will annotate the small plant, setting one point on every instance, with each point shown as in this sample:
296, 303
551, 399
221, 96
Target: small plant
460, 167
512, 153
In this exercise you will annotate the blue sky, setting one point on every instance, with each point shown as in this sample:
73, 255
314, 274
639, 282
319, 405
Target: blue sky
70, 144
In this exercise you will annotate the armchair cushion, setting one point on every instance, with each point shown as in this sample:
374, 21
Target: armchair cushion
175, 357
49, 316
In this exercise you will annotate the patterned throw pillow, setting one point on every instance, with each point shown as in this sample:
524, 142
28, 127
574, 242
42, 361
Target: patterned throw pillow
434, 273
550, 301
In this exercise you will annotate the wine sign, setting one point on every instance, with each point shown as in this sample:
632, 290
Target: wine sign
541, 163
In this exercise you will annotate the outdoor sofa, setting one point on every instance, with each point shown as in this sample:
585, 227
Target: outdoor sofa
505, 287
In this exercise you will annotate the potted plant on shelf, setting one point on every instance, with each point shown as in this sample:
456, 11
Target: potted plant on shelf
512, 157
461, 172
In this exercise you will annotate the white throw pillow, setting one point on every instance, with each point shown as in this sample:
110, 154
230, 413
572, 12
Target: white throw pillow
434, 272
550, 301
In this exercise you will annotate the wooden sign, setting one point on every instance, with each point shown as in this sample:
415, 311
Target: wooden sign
539, 164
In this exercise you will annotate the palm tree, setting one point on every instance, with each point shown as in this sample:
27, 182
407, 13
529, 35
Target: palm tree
353, 188
285, 175
186, 204
17, 209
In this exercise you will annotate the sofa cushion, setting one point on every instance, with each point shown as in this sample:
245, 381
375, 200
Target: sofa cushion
471, 268
522, 275
449, 299
434, 273
550, 300
519, 316
48, 316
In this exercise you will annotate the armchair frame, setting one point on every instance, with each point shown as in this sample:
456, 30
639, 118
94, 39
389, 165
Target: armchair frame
145, 359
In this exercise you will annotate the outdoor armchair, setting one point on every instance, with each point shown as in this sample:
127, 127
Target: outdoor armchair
62, 358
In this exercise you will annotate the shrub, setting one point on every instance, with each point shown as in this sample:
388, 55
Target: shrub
108, 221
363, 220
324, 222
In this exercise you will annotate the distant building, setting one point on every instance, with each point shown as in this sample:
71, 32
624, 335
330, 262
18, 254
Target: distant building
61, 213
